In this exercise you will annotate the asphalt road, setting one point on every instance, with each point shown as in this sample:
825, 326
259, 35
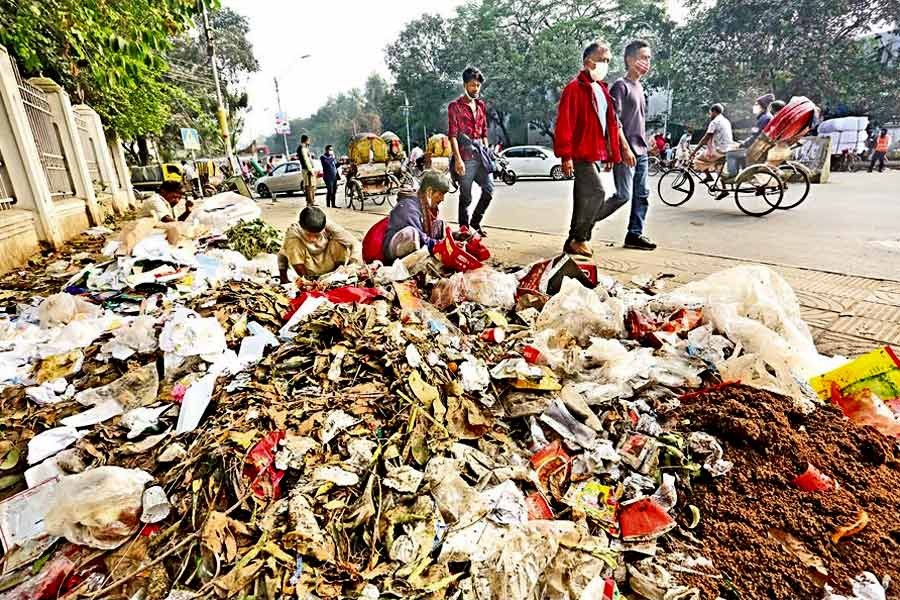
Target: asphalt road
850, 225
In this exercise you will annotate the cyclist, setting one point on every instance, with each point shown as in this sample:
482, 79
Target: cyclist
717, 140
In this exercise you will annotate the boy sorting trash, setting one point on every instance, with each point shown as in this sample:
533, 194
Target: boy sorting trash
314, 247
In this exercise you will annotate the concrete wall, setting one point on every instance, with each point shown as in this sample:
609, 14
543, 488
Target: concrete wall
36, 215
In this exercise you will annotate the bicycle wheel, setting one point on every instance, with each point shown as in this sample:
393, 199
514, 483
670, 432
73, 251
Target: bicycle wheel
796, 185
675, 187
653, 166
353, 193
758, 190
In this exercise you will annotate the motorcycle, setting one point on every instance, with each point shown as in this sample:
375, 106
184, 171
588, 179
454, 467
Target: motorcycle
502, 170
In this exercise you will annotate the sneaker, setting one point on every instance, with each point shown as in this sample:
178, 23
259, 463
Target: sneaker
579, 248
638, 242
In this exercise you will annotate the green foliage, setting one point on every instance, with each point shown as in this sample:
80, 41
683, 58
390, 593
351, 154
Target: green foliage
252, 238
107, 53
736, 50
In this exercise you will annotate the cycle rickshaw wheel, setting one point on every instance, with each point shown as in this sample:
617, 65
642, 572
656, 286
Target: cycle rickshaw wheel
675, 187
353, 193
795, 179
390, 193
758, 190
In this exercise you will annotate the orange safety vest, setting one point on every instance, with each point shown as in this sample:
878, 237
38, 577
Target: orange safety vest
882, 144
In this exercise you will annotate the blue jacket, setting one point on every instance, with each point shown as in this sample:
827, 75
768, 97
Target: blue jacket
407, 212
329, 167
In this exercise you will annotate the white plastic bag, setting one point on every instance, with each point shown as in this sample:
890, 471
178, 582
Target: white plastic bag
582, 312
100, 508
758, 311
484, 286
62, 309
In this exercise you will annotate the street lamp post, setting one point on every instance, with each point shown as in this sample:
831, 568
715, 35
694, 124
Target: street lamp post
406, 108
283, 134
287, 152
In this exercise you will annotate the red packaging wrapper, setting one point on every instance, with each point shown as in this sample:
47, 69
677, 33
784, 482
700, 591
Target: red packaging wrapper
550, 460
259, 467
454, 256
644, 519
532, 355
813, 480
538, 508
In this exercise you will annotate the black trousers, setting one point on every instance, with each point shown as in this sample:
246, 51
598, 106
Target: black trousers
331, 193
879, 157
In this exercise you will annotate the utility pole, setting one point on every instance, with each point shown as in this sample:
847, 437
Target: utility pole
221, 113
283, 134
405, 108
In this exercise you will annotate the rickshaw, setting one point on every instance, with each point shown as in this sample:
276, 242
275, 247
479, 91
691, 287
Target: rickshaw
761, 177
437, 157
371, 172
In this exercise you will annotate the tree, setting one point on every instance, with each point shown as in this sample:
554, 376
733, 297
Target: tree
190, 70
418, 61
816, 48
335, 122
527, 49
107, 53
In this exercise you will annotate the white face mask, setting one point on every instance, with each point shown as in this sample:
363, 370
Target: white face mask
598, 73
757, 109
471, 97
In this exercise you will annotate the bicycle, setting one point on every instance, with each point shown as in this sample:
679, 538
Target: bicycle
759, 189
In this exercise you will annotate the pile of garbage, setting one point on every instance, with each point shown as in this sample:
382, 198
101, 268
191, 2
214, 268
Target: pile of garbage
176, 425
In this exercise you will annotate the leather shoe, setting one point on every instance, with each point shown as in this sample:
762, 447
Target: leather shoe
579, 248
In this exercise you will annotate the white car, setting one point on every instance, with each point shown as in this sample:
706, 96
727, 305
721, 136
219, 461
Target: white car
534, 161
287, 178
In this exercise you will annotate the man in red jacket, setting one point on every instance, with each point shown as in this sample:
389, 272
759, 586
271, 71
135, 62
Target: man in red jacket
587, 135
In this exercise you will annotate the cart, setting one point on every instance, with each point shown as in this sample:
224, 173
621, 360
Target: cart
370, 172
762, 178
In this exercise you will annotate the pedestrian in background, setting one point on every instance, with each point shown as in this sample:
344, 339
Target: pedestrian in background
631, 174
192, 178
330, 175
587, 138
468, 132
309, 170
882, 143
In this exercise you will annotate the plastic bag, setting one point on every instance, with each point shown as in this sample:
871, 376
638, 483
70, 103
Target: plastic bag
100, 508
62, 309
865, 587
758, 311
485, 286
134, 389
582, 312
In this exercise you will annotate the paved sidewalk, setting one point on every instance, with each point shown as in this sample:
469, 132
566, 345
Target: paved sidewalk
848, 314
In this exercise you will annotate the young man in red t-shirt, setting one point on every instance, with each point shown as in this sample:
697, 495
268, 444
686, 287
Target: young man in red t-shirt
467, 129
589, 137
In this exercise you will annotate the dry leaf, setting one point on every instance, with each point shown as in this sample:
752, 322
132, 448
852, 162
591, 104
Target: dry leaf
799, 550
862, 519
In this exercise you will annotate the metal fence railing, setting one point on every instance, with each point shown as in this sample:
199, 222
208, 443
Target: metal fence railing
90, 153
7, 198
47, 137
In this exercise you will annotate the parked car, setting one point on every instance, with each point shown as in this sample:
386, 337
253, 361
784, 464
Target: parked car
533, 161
287, 178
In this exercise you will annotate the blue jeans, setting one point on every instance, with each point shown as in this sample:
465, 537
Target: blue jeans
631, 183
475, 172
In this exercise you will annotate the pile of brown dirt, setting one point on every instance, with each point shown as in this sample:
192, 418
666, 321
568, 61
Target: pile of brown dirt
770, 442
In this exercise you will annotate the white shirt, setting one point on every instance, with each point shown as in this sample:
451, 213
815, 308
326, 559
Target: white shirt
601, 104
723, 139
156, 207
415, 154
190, 173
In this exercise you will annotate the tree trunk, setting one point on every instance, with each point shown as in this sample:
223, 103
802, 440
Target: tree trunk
500, 119
544, 127
143, 151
